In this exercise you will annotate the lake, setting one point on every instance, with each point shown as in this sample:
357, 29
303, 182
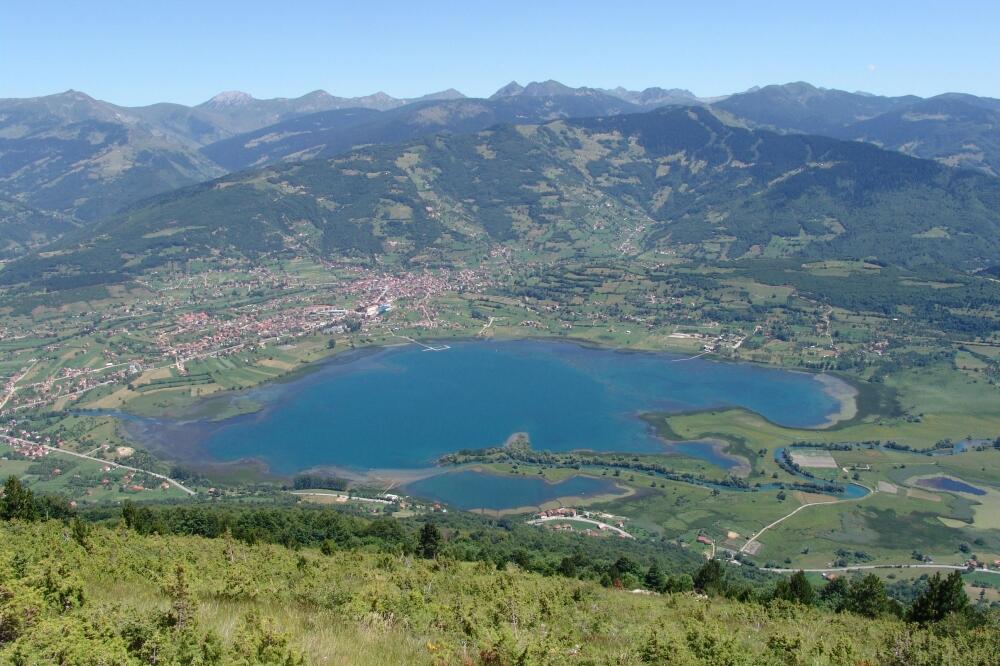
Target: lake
403, 407
949, 484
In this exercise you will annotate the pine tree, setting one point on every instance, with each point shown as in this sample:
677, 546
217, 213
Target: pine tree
430, 541
867, 597
834, 595
710, 577
796, 588
129, 514
654, 579
182, 606
17, 502
567, 567
942, 597
80, 531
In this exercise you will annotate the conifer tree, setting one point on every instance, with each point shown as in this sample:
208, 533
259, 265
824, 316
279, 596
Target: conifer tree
430, 541
942, 597
18, 502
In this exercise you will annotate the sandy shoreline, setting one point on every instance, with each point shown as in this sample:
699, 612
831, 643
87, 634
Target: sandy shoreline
842, 392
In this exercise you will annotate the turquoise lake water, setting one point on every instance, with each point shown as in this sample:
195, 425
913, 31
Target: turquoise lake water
402, 407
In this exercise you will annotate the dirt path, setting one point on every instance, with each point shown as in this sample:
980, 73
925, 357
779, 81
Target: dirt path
485, 327
756, 535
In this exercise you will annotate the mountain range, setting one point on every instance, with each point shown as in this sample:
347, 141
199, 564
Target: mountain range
673, 181
955, 129
75, 156
69, 160
72, 154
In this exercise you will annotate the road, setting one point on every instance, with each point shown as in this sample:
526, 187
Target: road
176, 484
341, 496
952, 567
603, 526
13, 384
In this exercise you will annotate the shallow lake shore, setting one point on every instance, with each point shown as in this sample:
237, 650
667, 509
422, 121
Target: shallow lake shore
844, 393
191, 440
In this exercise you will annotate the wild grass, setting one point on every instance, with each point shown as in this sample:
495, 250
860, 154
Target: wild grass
356, 607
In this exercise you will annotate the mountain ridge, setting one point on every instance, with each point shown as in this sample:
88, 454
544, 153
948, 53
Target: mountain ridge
972, 141
680, 180
71, 156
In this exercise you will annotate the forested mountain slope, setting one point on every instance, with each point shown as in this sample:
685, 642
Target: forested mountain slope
332, 132
78, 156
955, 129
802, 107
83, 159
676, 180
959, 130
23, 228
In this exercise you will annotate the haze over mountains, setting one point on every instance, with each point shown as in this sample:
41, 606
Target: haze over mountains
68, 160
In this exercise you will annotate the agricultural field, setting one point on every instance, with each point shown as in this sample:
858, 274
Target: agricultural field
161, 346
86, 482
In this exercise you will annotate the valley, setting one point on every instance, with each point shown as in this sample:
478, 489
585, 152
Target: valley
188, 351
555, 374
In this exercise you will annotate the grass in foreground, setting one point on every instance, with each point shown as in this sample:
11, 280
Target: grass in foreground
123, 598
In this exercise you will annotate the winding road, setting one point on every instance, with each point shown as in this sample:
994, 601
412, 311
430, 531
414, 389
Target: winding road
176, 484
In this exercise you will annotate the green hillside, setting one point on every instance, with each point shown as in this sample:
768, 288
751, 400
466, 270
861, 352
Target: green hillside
676, 180
84, 158
955, 129
329, 133
78, 594
88, 158
23, 229
960, 130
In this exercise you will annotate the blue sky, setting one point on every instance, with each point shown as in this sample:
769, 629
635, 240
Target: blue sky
140, 52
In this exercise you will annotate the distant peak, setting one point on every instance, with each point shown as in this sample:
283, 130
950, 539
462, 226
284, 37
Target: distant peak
512, 89
75, 95
230, 98
548, 88
450, 93
798, 87
654, 96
